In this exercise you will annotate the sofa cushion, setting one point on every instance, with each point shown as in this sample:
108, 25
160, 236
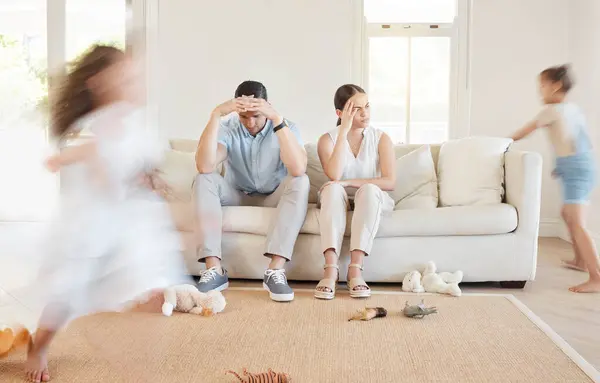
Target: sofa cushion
459, 220
178, 170
404, 149
471, 171
189, 146
314, 171
184, 145
416, 181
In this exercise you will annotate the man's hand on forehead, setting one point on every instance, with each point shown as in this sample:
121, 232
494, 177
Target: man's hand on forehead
251, 104
244, 103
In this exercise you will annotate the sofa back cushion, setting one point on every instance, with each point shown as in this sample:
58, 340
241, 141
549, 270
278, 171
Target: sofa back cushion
189, 146
178, 170
451, 169
402, 149
184, 145
314, 171
416, 181
471, 171
317, 177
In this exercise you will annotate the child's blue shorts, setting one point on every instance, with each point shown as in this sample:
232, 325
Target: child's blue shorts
577, 174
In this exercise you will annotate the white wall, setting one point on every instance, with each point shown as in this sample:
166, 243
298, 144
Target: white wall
302, 50
512, 41
584, 40
303, 55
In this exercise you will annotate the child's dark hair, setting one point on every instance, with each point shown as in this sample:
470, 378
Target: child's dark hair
74, 98
251, 88
343, 94
562, 74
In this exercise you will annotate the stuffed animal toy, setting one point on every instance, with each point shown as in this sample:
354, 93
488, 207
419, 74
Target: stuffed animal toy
12, 339
442, 283
418, 311
187, 299
412, 283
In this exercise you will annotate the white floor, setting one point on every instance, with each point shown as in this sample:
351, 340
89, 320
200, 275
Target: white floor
19, 262
575, 317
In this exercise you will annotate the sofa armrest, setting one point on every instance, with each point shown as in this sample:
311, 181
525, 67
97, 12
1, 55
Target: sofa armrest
523, 183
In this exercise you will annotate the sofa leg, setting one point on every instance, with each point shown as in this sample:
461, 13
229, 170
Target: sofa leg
513, 284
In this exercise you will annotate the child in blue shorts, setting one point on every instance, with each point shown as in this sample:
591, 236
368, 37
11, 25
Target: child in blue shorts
575, 167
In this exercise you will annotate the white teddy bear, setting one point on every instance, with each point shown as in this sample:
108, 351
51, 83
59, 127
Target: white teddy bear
412, 283
187, 299
442, 283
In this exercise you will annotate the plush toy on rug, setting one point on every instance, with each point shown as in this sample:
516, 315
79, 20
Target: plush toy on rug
418, 311
442, 283
12, 339
412, 283
187, 299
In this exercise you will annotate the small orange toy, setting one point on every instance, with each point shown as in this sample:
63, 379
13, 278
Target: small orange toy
13, 339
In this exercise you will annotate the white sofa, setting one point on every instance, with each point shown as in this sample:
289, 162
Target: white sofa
496, 242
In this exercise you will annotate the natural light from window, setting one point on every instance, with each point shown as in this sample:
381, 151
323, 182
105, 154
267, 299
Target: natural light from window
87, 24
28, 190
410, 66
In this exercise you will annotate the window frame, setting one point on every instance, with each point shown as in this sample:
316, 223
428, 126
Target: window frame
457, 31
142, 18
56, 26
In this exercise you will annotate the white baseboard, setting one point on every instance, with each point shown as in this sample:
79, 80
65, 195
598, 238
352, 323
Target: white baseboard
557, 229
550, 227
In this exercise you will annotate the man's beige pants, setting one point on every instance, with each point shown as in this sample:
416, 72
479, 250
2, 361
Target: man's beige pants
211, 192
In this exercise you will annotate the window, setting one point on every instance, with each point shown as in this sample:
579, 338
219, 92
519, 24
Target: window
411, 67
104, 22
26, 187
36, 35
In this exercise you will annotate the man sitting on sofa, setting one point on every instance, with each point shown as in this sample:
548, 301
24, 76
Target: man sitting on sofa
265, 166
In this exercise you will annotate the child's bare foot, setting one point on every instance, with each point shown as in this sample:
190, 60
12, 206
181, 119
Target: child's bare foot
575, 264
591, 286
36, 367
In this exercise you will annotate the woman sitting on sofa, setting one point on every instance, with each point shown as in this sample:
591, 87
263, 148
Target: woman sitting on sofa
359, 160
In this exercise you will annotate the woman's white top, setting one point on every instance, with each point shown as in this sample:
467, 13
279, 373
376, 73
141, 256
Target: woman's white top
366, 164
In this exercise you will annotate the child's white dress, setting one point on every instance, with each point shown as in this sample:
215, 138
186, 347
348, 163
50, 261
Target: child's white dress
113, 240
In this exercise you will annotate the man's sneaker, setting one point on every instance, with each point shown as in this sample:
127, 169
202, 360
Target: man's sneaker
211, 279
275, 282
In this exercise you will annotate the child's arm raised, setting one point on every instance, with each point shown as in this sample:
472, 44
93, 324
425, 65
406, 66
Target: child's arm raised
525, 131
72, 154
547, 116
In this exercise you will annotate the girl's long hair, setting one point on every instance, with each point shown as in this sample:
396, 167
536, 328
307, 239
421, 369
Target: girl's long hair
74, 98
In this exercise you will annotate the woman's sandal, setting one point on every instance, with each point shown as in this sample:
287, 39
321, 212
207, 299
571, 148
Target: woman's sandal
354, 283
327, 283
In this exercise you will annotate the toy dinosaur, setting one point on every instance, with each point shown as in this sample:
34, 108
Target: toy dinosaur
269, 376
418, 311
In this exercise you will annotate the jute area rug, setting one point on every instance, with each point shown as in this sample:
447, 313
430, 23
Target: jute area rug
471, 339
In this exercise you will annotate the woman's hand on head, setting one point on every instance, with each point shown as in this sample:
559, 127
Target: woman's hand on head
347, 117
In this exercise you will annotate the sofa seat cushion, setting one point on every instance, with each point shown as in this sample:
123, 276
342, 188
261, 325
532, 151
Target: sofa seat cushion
456, 220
